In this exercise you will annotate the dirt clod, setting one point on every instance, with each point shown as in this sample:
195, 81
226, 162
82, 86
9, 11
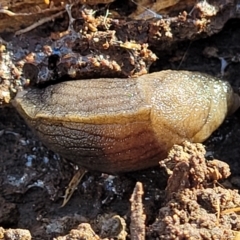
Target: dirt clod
195, 204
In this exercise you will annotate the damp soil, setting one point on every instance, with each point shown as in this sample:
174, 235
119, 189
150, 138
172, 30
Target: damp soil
33, 179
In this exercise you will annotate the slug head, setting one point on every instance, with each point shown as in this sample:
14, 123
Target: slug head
187, 105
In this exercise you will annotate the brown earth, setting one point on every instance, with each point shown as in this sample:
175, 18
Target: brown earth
33, 179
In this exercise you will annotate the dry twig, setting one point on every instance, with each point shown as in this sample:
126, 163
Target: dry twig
39, 23
137, 226
12, 14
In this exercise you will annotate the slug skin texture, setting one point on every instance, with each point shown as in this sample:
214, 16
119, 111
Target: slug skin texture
119, 125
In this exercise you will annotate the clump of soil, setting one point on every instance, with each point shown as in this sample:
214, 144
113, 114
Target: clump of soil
197, 206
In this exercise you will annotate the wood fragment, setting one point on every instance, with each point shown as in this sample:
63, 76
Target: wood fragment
137, 226
39, 23
73, 184
13, 14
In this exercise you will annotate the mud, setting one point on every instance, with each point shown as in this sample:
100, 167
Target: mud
33, 179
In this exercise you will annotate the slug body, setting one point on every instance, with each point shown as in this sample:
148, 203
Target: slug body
119, 125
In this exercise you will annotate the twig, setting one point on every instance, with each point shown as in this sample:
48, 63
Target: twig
39, 23
73, 184
184, 56
12, 14
137, 226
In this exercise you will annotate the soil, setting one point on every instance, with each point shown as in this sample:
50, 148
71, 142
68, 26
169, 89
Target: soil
33, 179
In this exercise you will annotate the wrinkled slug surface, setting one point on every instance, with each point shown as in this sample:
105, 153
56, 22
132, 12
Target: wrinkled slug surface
117, 125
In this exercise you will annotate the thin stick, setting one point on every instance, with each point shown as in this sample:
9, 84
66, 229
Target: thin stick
12, 14
39, 23
184, 56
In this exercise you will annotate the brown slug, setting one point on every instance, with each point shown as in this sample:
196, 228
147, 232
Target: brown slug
118, 125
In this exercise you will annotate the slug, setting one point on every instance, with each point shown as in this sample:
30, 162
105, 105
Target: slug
119, 125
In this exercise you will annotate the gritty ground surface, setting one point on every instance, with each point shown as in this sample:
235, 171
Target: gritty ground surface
33, 179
